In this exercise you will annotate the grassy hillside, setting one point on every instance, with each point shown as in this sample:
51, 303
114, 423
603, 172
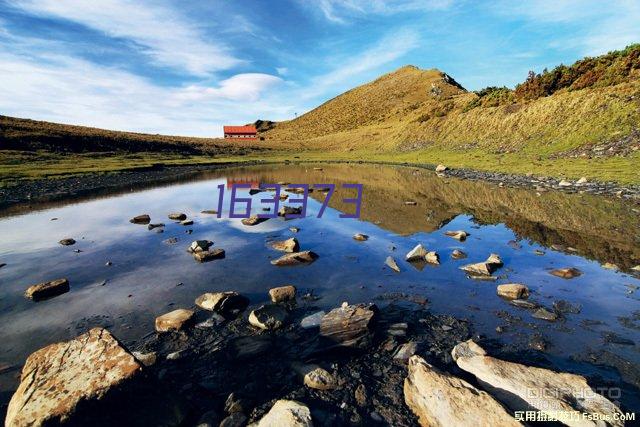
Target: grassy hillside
564, 120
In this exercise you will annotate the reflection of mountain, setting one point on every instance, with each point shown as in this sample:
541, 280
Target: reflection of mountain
599, 228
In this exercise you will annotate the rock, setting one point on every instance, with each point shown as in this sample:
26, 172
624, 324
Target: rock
521, 303
200, 246
484, 268
204, 256
360, 237
177, 216
562, 306
141, 219
313, 376
525, 388
170, 241
186, 222
294, 229
398, 329
283, 293
67, 242
312, 321
147, 359
582, 180
209, 212
416, 254
222, 302
432, 257
458, 254
268, 317
253, 220
392, 264
360, 394
405, 351
566, 273
56, 378
610, 266
458, 235
152, 226
544, 314
286, 413
440, 399
513, 291
636, 268
284, 196
174, 320
175, 355
289, 210
564, 183
295, 258
237, 419
289, 245
235, 404
350, 325
47, 289
410, 203
441, 168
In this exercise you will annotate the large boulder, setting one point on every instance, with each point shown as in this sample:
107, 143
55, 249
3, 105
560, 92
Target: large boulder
524, 388
440, 399
56, 378
286, 413
349, 325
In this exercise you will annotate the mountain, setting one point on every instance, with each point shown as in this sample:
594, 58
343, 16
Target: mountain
589, 108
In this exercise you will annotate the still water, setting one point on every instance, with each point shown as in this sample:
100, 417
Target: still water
148, 276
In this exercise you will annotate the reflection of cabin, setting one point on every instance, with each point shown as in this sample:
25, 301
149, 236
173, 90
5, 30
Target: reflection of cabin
241, 132
254, 182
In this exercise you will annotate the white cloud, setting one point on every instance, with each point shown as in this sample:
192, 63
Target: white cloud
70, 90
339, 11
157, 29
283, 71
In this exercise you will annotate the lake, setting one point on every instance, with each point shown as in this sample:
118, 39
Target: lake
123, 275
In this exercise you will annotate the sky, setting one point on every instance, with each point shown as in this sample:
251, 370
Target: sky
188, 67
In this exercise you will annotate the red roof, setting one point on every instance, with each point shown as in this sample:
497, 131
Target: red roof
240, 129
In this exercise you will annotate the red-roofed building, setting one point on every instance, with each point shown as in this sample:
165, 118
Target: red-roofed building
242, 132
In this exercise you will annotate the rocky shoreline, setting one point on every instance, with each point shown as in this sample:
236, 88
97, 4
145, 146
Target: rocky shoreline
91, 184
358, 364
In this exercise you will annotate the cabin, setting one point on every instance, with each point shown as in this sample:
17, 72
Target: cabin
241, 132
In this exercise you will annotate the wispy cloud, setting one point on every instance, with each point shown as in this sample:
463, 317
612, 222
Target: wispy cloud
386, 50
158, 30
340, 11
242, 87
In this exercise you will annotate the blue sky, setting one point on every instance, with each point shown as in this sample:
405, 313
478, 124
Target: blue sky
186, 68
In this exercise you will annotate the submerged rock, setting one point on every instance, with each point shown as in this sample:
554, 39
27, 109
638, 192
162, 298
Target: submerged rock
67, 242
458, 254
349, 325
212, 254
141, 219
521, 303
440, 399
289, 245
283, 293
392, 264
484, 268
417, 253
460, 235
566, 273
360, 237
223, 302
544, 314
286, 413
174, 320
177, 216
513, 291
47, 289
295, 258
312, 321
525, 388
268, 317
56, 378
199, 246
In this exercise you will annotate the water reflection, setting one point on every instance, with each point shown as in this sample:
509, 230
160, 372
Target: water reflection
149, 276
